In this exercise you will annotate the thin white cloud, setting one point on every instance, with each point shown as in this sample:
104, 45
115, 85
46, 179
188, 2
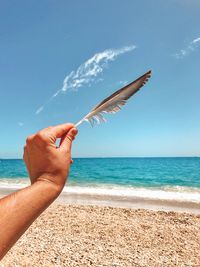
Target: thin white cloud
196, 40
39, 110
88, 71
191, 47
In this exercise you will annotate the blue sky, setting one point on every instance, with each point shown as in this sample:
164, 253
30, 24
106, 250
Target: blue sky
42, 42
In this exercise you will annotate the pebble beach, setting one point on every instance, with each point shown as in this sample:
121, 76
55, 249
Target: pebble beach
77, 235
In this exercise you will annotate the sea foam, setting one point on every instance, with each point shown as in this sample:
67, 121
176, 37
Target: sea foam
173, 193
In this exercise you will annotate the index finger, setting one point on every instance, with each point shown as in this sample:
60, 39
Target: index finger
58, 130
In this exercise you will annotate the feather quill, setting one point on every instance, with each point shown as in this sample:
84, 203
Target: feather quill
114, 102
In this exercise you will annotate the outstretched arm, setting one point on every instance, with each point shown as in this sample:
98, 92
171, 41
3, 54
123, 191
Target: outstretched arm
48, 167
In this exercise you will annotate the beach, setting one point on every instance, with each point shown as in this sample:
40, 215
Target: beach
114, 212
88, 235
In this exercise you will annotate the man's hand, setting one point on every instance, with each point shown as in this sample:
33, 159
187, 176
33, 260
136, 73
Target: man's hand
44, 160
48, 167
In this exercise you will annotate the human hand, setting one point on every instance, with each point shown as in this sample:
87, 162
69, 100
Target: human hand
46, 162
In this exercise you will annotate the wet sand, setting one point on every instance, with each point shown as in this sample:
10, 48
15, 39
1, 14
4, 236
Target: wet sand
121, 201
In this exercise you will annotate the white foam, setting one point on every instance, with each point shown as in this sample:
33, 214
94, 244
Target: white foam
175, 193
13, 184
133, 192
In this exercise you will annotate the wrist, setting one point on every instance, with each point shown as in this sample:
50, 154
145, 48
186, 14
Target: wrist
49, 186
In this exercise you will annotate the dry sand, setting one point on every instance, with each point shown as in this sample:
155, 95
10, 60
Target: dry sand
69, 235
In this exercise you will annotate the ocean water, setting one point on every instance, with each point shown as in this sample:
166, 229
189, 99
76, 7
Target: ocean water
163, 178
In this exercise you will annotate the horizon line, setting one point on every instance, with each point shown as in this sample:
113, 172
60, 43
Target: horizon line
103, 157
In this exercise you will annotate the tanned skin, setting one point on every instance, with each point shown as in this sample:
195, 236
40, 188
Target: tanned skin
48, 167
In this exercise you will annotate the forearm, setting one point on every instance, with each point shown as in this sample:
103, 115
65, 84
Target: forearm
20, 209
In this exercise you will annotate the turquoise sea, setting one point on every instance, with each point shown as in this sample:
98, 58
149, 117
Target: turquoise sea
168, 178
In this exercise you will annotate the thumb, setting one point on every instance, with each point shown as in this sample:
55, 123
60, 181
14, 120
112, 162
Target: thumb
66, 140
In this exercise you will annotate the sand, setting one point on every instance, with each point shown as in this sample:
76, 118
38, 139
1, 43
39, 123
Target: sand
75, 235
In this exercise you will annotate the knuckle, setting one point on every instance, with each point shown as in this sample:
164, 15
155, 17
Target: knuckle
28, 140
40, 137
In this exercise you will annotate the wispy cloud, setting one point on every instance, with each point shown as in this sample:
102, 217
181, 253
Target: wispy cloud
39, 110
88, 72
196, 40
191, 47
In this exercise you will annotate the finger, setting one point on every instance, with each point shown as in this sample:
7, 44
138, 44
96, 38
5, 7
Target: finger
71, 136
66, 141
58, 130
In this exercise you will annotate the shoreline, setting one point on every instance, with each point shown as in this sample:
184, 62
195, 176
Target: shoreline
129, 202
122, 201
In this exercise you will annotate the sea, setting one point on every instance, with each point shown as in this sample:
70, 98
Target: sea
154, 178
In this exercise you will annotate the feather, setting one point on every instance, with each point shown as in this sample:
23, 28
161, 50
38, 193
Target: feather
114, 102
